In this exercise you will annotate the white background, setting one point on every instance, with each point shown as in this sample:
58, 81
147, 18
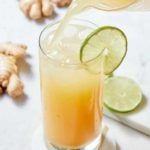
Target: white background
19, 120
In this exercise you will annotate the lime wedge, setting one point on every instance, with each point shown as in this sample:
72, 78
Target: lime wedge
121, 94
109, 42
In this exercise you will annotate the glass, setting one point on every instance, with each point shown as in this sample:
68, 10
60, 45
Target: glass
71, 98
129, 5
109, 5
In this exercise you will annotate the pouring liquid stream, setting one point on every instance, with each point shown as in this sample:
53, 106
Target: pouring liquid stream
78, 6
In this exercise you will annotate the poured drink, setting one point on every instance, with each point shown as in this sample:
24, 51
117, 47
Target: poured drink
72, 96
71, 91
78, 6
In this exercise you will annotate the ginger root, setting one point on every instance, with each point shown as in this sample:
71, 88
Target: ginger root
1, 90
9, 80
62, 3
37, 9
15, 86
16, 50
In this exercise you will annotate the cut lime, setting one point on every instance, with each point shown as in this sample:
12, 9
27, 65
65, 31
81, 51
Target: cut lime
109, 42
121, 94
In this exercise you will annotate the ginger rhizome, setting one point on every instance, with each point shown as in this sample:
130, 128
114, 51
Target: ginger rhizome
9, 79
62, 3
37, 9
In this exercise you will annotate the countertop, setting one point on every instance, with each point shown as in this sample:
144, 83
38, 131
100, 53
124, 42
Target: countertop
19, 119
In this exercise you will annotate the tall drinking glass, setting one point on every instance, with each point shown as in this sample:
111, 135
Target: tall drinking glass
71, 94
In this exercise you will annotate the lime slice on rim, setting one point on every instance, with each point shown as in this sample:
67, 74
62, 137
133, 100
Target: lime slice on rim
109, 42
121, 94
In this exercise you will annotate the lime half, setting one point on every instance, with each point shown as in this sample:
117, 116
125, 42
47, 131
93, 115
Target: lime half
121, 94
109, 42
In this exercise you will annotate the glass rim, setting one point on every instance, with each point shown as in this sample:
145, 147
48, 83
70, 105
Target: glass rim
57, 61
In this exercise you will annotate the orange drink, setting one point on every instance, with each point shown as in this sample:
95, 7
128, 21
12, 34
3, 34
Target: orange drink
71, 94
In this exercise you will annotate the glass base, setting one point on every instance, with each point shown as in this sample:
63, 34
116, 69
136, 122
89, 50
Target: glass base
94, 145
38, 143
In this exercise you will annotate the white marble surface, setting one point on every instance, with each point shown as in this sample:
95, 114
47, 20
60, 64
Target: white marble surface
19, 120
